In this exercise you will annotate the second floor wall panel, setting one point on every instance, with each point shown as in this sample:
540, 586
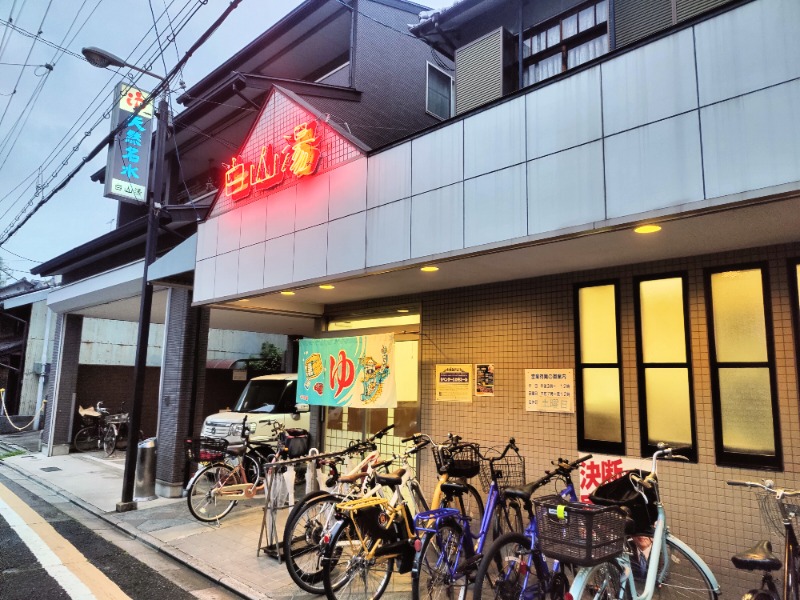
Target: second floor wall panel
683, 122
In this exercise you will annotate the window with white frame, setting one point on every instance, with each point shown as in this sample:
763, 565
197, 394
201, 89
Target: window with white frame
439, 97
565, 43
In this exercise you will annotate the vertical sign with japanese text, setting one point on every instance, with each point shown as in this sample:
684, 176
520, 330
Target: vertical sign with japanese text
353, 371
128, 163
550, 390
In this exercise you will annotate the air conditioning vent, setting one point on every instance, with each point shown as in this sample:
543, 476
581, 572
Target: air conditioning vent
481, 70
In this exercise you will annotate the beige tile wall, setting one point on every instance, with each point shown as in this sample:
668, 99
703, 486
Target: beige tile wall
530, 324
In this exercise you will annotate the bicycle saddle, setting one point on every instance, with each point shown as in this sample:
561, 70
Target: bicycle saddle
522, 492
236, 450
757, 558
88, 412
453, 488
394, 478
352, 478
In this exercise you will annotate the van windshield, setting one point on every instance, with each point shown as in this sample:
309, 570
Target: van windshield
267, 396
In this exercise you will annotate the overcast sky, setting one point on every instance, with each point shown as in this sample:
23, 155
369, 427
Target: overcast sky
45, 112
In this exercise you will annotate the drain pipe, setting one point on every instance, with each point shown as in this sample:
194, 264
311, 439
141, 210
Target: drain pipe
42, 377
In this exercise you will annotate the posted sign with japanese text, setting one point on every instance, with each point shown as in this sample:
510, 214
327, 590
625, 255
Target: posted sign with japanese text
599, 469
550, 390
353, 371
454, 383
128, 164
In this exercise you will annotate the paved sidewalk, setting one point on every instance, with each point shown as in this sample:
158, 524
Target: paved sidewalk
225, 552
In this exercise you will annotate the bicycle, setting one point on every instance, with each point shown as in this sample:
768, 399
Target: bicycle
217, 487
312, 518
650, 564
100, 429
514, 566
778, 516
449, 552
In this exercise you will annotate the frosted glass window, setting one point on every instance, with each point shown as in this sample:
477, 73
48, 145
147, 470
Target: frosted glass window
739, 327
743, 370
587, 51
570, 26
746, 406
601, 405
598, 324
602, 11
663, 326
553, 36
668, 406
586, 19
546, 68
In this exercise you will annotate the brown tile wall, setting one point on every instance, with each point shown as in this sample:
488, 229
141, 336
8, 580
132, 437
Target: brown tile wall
530, 324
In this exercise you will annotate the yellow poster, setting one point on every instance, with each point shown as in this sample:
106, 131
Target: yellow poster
454, 383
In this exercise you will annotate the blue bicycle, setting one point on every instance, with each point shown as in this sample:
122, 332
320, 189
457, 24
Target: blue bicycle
448, 553
514, 568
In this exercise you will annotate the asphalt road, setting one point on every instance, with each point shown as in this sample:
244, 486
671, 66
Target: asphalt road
51, 551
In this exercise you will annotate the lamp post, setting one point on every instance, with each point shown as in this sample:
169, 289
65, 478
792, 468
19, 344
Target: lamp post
102, 59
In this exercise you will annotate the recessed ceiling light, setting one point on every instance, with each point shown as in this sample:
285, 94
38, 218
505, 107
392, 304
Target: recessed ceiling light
647, 228
287, 293
402, 310
429, 269
244, 300
326, 286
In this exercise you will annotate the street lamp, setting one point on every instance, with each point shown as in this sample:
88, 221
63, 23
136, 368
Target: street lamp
102, 59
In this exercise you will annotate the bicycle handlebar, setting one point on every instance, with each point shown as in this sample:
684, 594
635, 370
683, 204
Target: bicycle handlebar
768, 486
378, 435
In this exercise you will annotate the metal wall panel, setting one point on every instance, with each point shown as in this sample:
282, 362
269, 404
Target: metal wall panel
636, 19
686, 9
389, 233
229, 231
204, 274
226, 274
280, 213
278, 261
389, 175
747, 49
254, 224
348, 189
313, 195
494, 139
437, 159
437, 221
566, 189
752, 142
479, 71
207, 239
310, 253
650, 83
495, 207
564, 114
654, 167
251, 268
347, 244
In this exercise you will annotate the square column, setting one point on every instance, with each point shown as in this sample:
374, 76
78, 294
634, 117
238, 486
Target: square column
183, 366
61, 412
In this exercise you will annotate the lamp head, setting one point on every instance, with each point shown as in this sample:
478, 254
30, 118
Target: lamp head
102, 59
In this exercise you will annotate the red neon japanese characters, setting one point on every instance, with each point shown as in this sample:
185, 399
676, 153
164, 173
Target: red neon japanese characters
300, 157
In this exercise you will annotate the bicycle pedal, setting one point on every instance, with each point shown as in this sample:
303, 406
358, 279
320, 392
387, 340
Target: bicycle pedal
471, 564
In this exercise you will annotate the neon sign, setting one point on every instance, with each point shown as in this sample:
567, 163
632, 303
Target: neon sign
300, 157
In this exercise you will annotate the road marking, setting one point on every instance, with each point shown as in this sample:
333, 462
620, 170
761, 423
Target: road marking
73, 572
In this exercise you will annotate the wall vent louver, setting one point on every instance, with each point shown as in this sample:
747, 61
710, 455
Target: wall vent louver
480, 71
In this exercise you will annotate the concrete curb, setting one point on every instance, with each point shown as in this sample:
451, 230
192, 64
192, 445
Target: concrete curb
199, 566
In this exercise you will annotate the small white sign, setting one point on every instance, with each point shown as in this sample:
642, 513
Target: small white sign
550, 390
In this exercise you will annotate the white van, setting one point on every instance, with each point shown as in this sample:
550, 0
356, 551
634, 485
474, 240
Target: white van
264, 400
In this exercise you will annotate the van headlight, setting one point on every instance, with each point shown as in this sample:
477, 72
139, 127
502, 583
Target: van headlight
236, 430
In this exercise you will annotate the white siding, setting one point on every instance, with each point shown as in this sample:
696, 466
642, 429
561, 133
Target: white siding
437, 221
495, 207
310, 253
389, 175
494, 139
347, 244
348, 189
437, 159
389, 233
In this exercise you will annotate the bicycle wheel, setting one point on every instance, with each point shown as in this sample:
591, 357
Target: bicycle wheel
469, 504
603, 583
683, 578
87, 439
347, 572
110, 439
204, 505
507, 518
310, 520
436, 575
508, 571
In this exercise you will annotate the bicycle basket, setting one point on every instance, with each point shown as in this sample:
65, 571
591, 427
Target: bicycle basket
461, 460
204, 449
579, 534
119, 418
371, 518
622, 492
509, 471
771, 512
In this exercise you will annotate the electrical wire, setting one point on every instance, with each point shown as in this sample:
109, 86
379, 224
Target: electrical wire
7, 30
